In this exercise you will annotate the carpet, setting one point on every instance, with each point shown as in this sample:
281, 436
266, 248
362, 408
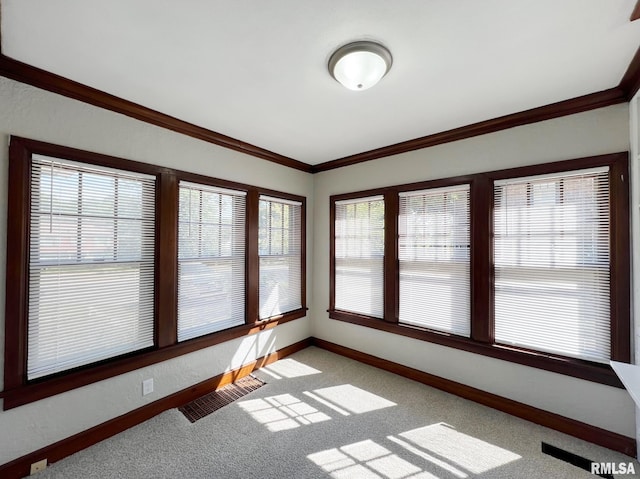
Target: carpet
321, 415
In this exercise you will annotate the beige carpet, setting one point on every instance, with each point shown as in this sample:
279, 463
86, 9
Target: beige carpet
324, 416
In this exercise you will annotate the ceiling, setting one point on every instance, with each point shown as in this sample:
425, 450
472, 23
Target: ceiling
257, 71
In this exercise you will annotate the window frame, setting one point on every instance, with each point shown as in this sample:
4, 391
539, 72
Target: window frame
17, 389
245, 249
506, 268
453, 184
481, 340
333, 255
79, 260
302, 254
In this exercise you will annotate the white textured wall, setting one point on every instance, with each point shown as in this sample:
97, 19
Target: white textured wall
596, 132
40, 115
634, 135
36, 114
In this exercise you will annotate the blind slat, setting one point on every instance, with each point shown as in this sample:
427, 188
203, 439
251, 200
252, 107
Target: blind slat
280, 253
359, 256
187, 185
434, 245
284, 201
552, 263
91, 269
211, 260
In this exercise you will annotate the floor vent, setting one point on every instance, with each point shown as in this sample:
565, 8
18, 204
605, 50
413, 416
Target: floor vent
205, 405
571, 458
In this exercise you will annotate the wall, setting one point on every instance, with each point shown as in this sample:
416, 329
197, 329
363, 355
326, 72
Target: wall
596, 132
36, 114
634, 158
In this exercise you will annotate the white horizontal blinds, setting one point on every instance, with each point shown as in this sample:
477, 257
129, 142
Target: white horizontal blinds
211, 259
552, 263
91, 265
280, 252
359, 256
433, 248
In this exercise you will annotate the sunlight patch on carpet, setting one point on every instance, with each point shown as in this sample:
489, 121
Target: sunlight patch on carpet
430, 458
462, 450
353, 399
282, 412
288, 368
367, 460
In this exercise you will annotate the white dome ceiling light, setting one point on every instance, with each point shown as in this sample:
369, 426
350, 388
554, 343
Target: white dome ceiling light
360, 65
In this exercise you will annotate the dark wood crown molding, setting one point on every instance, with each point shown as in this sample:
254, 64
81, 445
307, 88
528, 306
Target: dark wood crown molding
22, 72
39, 78
630, 82
635, 14
554, 110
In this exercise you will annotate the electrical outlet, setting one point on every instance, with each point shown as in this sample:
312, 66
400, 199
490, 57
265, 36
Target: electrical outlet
38, 466
147, 386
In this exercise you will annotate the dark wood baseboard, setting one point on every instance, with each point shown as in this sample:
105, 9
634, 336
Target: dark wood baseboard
587, 432
21, 467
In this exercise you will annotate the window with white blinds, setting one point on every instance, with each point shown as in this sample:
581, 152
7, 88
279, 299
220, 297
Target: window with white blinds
434, 254
211, 259
359, 256
91, 264
280, 253
552, 263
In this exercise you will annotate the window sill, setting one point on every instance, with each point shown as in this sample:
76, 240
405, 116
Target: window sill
52, 385
288, 316
599, 373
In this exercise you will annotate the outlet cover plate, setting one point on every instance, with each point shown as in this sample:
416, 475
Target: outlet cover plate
38, 466
147, 386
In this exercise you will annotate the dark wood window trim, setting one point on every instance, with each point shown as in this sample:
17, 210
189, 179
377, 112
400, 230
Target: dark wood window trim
482, 271
28, 74
17, 389
303, 250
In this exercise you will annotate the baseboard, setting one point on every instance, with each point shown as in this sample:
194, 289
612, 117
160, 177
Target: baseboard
587, 432
21, 467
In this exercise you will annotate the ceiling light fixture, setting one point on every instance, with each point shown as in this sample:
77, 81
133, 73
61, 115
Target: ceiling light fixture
360, 65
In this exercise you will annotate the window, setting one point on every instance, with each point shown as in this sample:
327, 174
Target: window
91, 264
529, 265
552, 263
359, 256
211, 260
280, 251
433, 230
113, 265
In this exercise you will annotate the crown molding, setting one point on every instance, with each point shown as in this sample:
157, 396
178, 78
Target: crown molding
554, 110
630, 82
22, 72
45, 80
635, 14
